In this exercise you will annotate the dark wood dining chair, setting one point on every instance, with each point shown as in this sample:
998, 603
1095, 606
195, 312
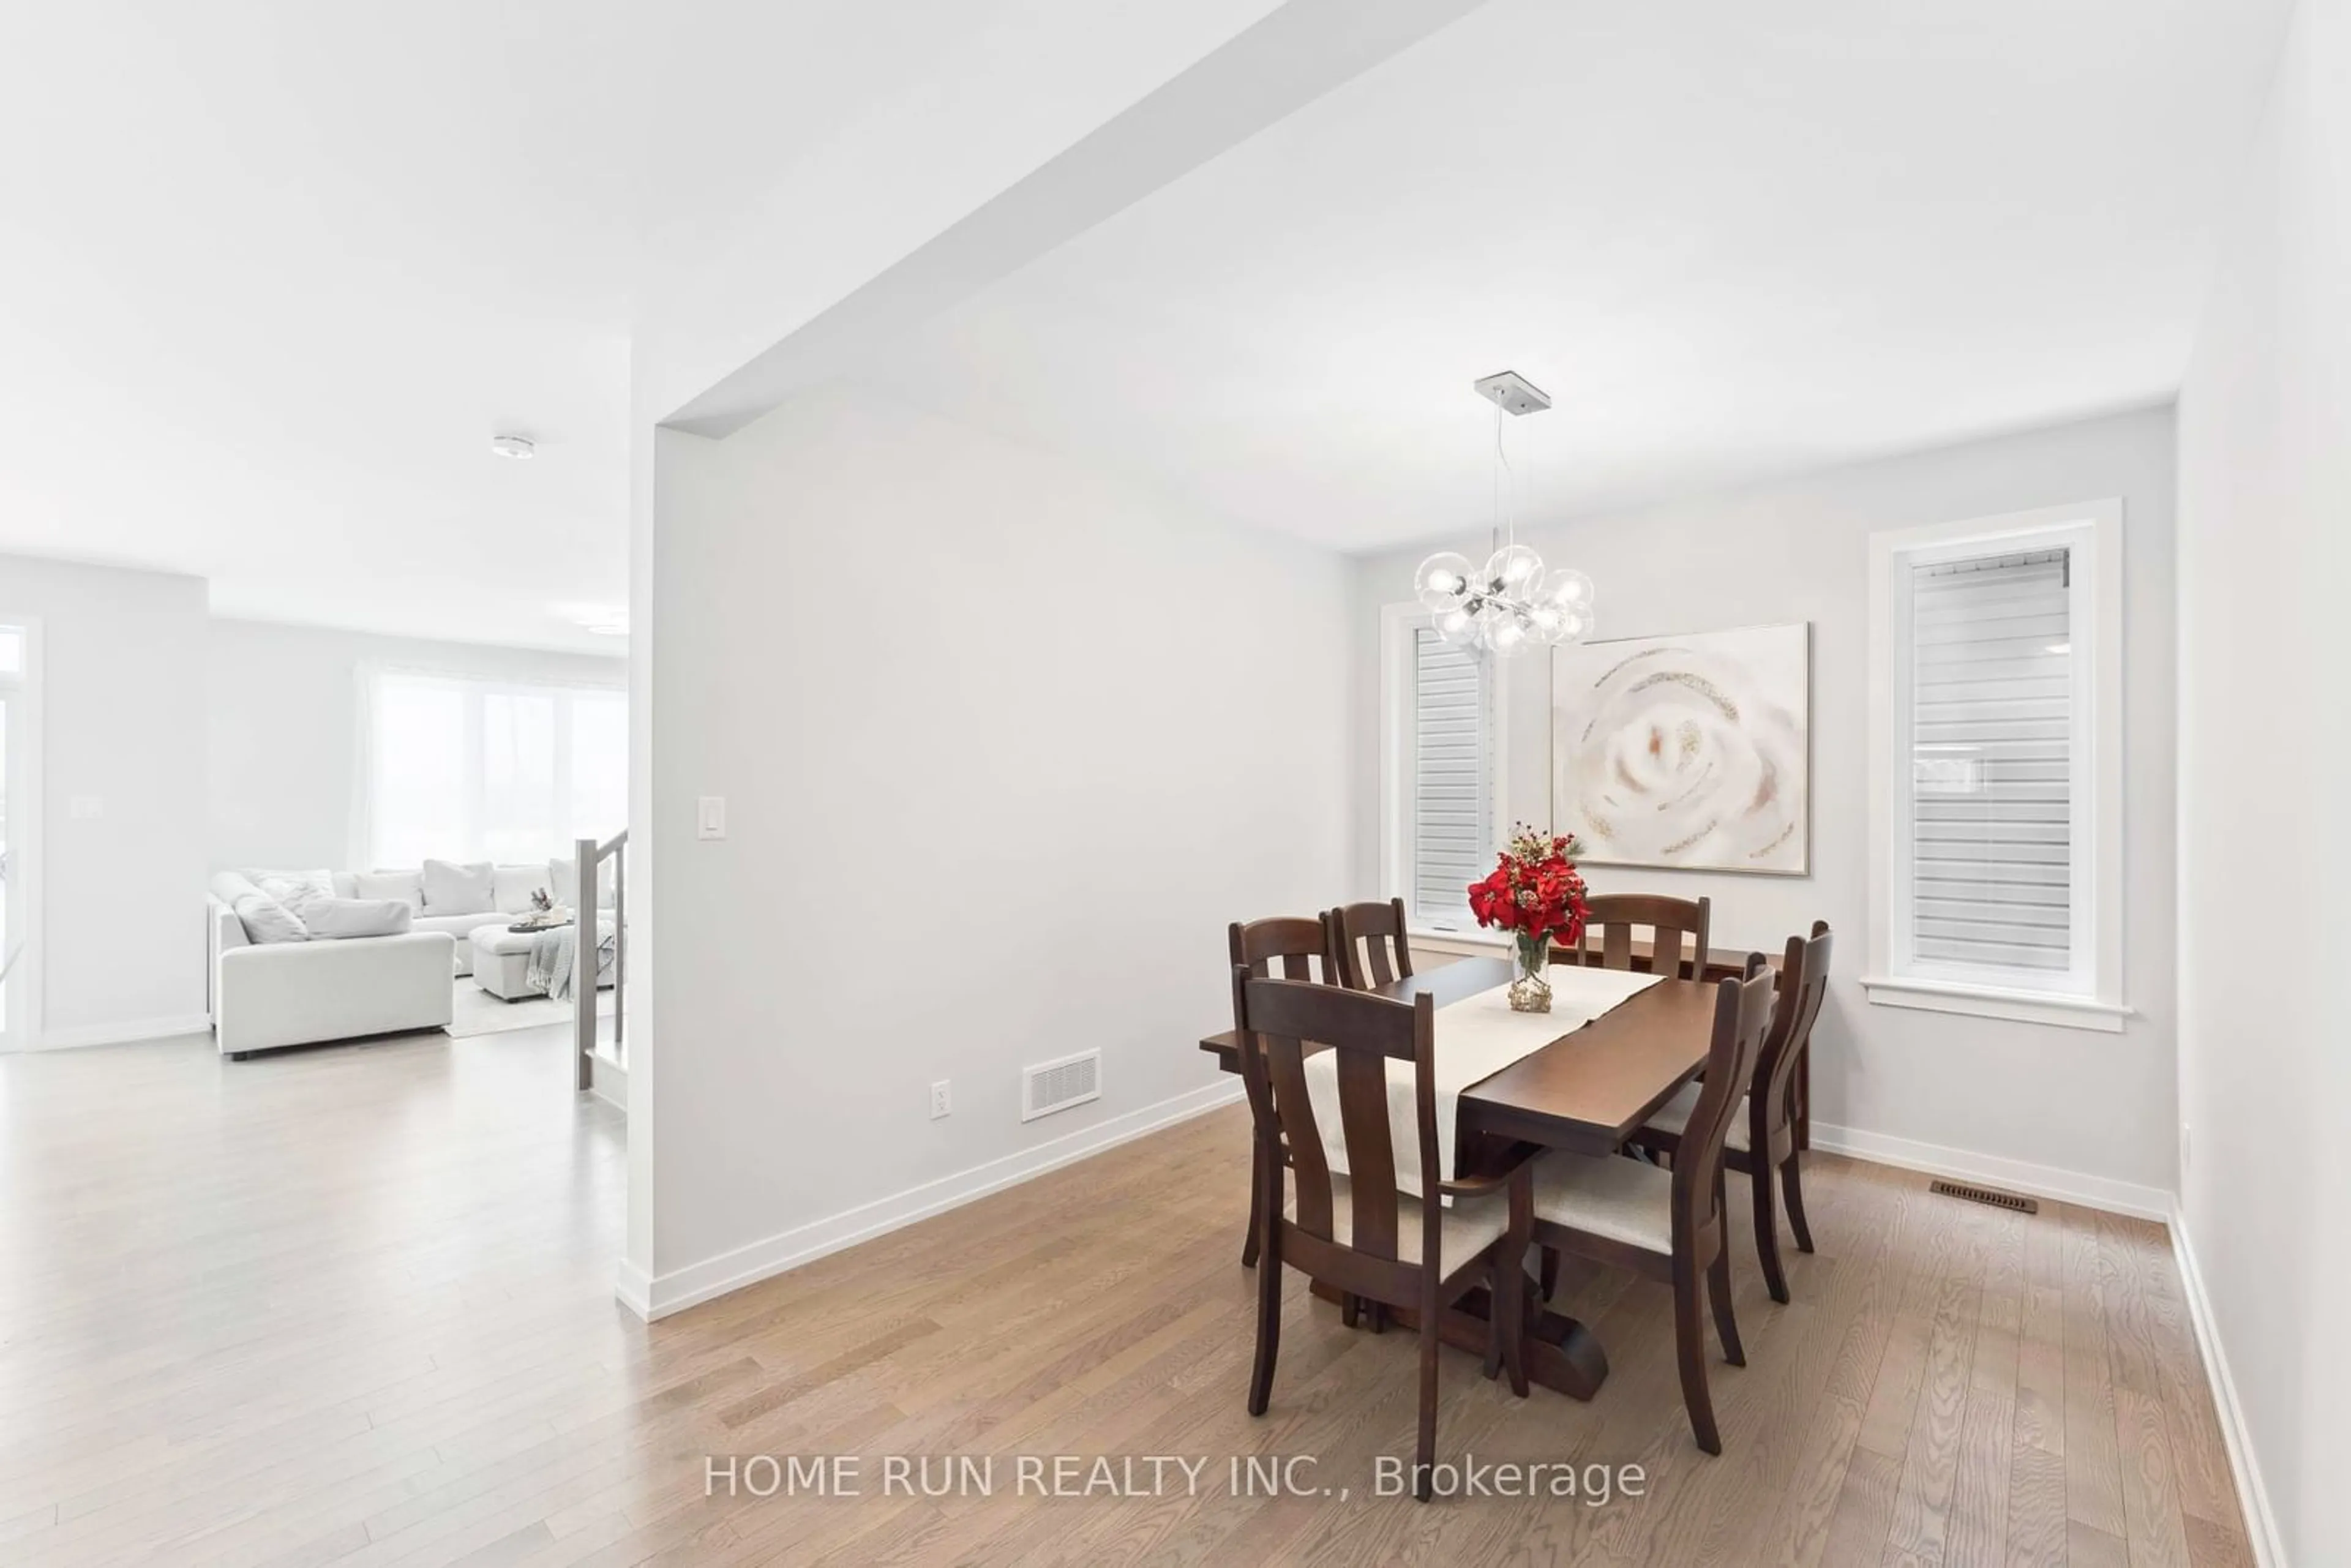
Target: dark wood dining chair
1672, 922
1763, 1137
1294, 947
1669, 1224
1354, 1231
1372, 947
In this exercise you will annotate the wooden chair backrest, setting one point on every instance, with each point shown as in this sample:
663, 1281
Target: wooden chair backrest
1383, 956
1742, 1016
1803, 982
1275, 1020
1671, 922
1290, 947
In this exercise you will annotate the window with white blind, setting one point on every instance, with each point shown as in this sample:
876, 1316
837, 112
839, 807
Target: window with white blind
1440, 773
1992, 742
471, 769
1996, 740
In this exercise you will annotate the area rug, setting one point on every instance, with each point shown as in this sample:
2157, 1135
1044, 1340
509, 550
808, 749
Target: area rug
473, 1012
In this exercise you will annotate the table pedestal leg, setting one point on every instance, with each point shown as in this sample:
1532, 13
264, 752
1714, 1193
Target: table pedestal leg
1561, 1354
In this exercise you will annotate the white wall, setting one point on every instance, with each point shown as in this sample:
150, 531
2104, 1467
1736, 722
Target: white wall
1005, 747
121, 945
2264, 743
2095, 1106
282, 728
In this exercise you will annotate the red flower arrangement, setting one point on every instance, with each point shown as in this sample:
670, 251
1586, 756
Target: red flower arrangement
1535, 892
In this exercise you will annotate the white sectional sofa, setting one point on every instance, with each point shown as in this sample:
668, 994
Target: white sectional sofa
511, 887
272, 993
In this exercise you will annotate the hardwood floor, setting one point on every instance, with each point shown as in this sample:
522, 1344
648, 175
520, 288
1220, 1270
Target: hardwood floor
354, 1307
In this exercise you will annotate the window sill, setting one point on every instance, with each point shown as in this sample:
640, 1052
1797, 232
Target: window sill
1991, 1002
1473, 942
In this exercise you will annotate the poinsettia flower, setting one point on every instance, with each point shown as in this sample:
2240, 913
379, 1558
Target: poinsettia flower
1534, 888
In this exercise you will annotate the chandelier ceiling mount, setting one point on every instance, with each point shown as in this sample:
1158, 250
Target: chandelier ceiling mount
1510, 604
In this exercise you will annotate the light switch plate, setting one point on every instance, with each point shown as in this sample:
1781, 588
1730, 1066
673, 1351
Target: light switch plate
83, 807
710, 817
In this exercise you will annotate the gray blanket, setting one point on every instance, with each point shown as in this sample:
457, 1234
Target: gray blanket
553, 957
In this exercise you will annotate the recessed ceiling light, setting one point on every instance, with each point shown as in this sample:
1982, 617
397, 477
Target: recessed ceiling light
515, 446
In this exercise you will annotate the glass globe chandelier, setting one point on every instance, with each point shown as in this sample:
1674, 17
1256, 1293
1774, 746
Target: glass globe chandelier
1510, 604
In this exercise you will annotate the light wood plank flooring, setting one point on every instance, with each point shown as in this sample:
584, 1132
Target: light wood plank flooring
354, 1307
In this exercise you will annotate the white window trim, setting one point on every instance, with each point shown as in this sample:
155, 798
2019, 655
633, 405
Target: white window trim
1397, 624
2093, 530
1474, 943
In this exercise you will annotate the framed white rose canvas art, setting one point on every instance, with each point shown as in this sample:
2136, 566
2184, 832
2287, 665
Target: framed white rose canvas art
1693, 753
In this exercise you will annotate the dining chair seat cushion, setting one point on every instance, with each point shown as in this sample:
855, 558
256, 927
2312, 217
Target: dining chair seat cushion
1675, 1114
1624, 1200
1469, 1225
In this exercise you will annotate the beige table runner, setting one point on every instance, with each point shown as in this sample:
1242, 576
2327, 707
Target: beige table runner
1475, 1038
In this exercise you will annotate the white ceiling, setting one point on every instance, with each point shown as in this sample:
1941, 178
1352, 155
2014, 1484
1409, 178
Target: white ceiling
1731, 240
271, 274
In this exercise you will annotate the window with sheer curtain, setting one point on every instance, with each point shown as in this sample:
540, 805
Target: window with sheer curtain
469, 769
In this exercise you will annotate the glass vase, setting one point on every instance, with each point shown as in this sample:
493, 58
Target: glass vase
1529, 992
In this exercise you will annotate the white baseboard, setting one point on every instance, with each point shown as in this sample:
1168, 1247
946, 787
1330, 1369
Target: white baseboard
635, 1288
1991, 1170
608, 1080
682, 1287
125, 1033
2260, 1523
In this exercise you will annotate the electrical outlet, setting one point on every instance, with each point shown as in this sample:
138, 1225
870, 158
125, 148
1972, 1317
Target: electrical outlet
941, 1102
2183, 1148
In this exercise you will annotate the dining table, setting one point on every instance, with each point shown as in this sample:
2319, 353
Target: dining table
1586, 1091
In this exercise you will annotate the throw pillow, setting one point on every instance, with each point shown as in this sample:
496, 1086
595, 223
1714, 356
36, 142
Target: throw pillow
297, 890
512, 886
333, 919
267, 920
407, 886
453, 889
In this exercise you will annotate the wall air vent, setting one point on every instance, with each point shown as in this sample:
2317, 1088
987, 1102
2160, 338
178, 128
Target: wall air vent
1051, 1086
